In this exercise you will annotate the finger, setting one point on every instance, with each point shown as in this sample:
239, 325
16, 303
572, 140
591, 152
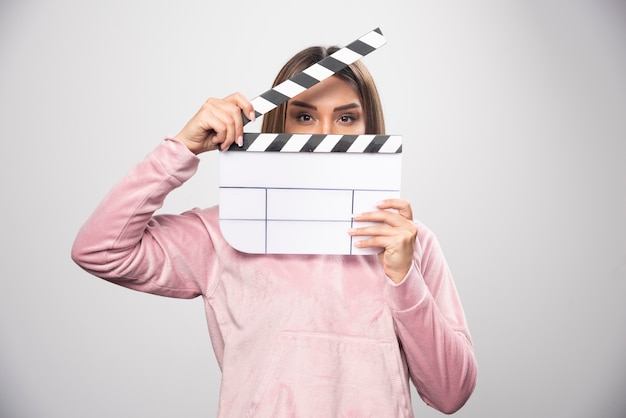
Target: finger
233, 123
242, 106
402, 206
229, 114
220, 117
382, 216
372, 230
214, 126
229, 135
210, 115
390, 245
373, 242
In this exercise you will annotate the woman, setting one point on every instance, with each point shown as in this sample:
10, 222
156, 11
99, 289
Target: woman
294, 335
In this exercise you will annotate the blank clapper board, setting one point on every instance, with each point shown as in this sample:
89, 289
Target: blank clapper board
296, 194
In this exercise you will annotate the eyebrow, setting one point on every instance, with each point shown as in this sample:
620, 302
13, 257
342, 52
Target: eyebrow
337, 109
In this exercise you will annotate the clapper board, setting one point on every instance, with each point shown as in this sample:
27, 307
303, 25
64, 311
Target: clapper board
297, 193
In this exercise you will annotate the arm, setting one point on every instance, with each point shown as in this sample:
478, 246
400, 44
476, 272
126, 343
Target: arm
124, 242
427, 311
432, 329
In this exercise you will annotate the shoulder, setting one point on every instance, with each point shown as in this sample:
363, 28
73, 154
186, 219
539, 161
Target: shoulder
425, 235
208, 216
427, 247
210, 219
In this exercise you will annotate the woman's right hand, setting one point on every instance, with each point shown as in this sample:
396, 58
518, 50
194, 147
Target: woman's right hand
217, 124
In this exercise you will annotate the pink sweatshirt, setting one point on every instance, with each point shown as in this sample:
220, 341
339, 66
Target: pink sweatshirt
294, 335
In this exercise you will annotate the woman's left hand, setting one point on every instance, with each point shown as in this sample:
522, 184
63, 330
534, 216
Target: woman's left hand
396, 235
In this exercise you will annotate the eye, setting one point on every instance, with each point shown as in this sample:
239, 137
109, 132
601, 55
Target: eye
347, 118
304, 117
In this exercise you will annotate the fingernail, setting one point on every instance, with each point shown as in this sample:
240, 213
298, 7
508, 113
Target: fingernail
252, 116
240, 141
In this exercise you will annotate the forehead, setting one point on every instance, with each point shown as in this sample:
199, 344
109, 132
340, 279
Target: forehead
333, 89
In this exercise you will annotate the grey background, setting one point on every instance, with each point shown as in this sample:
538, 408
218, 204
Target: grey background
513, 117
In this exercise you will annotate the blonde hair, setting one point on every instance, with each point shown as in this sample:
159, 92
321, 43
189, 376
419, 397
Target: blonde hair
355, 74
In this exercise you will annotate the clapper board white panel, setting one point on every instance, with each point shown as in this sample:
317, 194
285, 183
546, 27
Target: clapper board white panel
300, 201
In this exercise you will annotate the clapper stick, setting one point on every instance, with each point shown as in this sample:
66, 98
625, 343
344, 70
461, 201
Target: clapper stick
320, 71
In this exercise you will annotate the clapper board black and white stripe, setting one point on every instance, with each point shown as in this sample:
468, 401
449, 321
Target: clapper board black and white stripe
266, 142
317, 72
296, 193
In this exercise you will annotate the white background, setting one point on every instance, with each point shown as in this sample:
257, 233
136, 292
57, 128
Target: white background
513, 118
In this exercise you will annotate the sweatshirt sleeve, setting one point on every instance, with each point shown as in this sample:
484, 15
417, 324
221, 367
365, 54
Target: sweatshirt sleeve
431, 326
123, 242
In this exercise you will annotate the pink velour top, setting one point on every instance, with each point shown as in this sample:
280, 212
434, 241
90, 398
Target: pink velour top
294, 335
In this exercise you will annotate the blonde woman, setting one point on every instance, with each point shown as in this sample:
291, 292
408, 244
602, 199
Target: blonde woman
294, 335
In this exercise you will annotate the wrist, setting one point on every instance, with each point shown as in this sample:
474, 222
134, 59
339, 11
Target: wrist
193, 146
397, 276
